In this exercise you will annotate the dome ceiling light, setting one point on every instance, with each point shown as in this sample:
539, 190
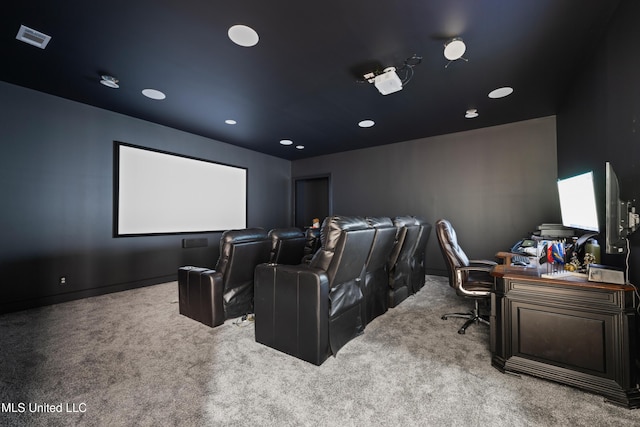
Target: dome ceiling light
454, 49
109, 81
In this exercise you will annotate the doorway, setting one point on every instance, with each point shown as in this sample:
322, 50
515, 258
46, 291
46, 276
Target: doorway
311, 199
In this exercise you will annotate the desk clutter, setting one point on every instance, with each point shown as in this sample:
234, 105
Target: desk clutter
311, 291
565, 255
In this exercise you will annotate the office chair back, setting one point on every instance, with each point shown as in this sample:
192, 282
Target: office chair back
452, 253
474, 280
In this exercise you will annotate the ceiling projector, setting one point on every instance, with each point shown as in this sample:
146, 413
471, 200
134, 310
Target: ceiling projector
387, 82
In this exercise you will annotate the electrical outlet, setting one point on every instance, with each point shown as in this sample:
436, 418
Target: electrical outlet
63, 280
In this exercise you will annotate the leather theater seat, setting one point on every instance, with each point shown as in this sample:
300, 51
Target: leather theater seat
313, 243
376, 279
311, 310
211, 296
287, 245
418, 270
401, 259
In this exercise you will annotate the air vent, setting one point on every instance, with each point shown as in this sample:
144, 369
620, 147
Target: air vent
33, 37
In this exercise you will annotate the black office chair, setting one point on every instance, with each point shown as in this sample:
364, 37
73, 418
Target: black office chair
470, 278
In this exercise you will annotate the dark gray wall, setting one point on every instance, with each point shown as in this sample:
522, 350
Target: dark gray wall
56, 187
494, 184
600, 120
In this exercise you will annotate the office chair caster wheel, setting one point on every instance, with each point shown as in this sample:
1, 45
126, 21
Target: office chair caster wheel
461, 331
444, 317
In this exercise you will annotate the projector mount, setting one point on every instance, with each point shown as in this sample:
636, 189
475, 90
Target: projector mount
390, 79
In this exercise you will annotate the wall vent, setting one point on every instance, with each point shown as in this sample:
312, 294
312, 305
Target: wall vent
33, 37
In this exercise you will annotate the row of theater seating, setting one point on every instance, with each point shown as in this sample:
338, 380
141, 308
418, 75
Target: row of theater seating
309, 298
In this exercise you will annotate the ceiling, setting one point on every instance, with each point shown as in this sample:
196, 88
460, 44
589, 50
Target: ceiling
303, 81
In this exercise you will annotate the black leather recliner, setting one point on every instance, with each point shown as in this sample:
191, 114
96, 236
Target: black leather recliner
211, 296
311, 310
376, 280
287, 245
418, 270
401, 259
313, 243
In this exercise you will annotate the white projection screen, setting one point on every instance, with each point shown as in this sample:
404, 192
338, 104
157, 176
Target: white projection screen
156, 192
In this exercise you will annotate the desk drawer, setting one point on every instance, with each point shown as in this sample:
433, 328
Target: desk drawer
566, 295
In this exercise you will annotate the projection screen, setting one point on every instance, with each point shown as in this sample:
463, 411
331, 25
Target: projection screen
157, 192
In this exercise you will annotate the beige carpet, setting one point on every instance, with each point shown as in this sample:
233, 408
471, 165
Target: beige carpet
130, 359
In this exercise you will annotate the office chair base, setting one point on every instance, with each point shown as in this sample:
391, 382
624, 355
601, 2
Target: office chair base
473, 316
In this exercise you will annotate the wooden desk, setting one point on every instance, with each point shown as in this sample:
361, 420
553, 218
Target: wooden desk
579, 333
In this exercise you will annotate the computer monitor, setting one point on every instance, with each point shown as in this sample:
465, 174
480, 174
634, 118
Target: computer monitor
578, 202
621, 218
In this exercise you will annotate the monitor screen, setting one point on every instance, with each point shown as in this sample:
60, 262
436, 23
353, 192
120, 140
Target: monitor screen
578, 202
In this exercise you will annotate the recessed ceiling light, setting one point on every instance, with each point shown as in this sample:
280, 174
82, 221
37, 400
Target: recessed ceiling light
286, 142
230, 122
299, 147
454, 49
471, 113
501, 92
109, 81
366, 123
243, 35
153, 94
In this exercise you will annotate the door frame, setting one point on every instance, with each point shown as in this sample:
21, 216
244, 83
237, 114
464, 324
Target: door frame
294, 186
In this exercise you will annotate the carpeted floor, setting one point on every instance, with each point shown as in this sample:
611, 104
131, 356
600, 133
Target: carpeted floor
130, 359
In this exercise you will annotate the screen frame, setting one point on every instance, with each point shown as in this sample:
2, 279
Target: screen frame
187, 204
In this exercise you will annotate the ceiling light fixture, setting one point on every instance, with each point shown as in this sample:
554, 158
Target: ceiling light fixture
501, 92
366, 123
300, 147
286, 142
471, 113
230, 122
243, 36
454, 49
109, 81
154, 94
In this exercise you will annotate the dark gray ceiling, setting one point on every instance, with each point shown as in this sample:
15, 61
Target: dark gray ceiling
300, 82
